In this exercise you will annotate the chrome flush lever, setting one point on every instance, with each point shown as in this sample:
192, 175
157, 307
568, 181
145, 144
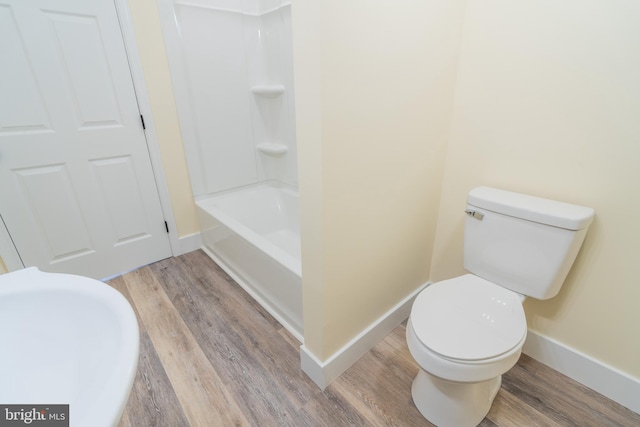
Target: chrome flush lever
475, 214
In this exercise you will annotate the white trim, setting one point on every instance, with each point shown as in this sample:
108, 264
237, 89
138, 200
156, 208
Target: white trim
142, 96
602, 378
322, 373
8, 251
606, 380
188, 244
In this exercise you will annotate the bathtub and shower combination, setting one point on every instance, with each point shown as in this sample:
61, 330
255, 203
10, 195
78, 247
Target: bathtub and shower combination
232, 73
253, 233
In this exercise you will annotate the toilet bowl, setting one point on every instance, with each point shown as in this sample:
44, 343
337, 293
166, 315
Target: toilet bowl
465, 332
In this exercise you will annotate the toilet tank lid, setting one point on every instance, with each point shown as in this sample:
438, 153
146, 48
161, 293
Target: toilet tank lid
531, 208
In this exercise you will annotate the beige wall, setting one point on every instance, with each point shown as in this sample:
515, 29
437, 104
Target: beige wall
144, 14
374, 84
548, 103
307, 18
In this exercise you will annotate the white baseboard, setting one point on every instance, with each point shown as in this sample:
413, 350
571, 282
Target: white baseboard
188, 244
322, 373
604, 379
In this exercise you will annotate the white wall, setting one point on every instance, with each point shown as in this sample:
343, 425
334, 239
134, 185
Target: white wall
218, 51
269, 58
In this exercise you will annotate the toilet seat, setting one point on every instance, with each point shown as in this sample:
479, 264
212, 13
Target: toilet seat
468, 319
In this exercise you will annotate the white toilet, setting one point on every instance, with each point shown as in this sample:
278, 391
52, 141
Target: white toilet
467, 331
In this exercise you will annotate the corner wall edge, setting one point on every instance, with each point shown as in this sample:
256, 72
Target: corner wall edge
322, 373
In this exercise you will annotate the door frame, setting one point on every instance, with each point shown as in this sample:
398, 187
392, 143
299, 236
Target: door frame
8, 251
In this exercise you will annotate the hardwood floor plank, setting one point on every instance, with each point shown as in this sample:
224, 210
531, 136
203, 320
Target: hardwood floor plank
238, 351
509, 411
487, 423
124, 420
152, 397
211, 356
198, 264
256, 329
224, 349
565, 401
202, 394
379, 384
290, 339
329, 409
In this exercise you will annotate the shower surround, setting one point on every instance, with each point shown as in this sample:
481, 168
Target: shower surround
231, 65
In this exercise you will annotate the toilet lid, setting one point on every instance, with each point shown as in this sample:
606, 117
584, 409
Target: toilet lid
468, 318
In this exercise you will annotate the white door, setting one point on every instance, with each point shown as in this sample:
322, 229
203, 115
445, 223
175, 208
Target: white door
77, 192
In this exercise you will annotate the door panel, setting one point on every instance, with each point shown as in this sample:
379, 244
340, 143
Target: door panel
55, 211
77, 190
17, 79
123, 200
84, 63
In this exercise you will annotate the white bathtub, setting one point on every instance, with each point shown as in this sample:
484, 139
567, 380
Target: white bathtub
254, 234
66, 340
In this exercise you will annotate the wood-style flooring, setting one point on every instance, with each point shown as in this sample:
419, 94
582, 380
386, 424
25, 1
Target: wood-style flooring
211, 356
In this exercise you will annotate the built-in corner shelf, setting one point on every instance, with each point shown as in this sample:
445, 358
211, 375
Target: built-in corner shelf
268, 91
272, 148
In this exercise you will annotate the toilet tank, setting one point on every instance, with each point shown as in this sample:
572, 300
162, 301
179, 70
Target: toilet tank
520, 242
